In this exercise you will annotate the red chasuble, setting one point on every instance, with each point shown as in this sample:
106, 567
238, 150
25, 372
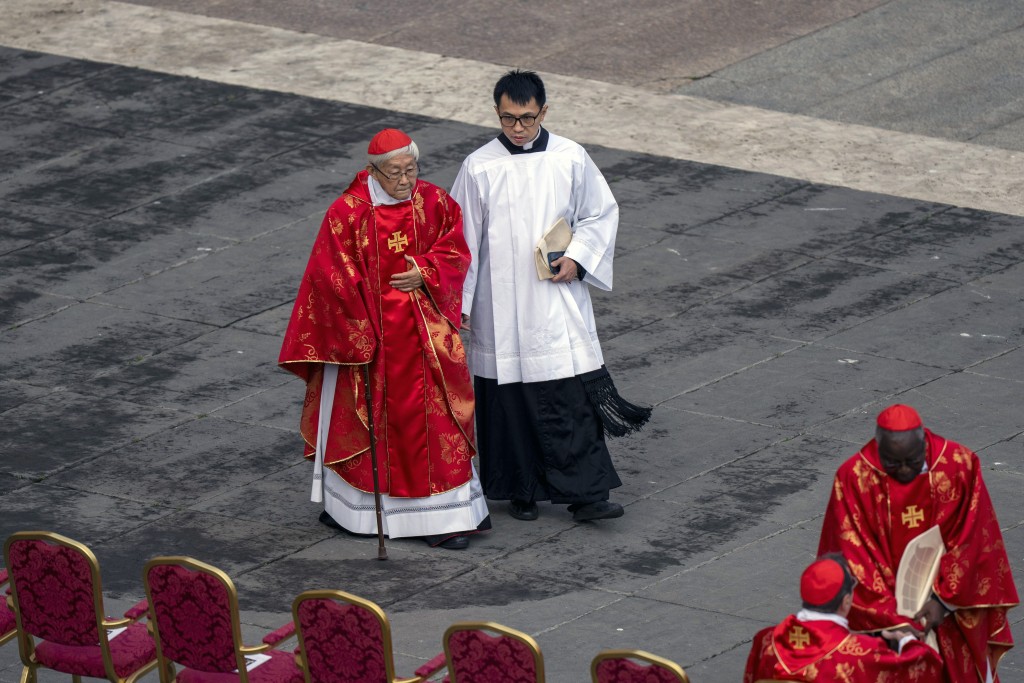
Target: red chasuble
870, 519
825, 651
348, 314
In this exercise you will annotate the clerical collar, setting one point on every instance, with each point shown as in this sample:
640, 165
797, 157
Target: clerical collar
538, 144
378, 195
814, 615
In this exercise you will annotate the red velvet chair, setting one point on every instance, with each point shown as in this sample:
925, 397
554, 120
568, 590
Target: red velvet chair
344, 639
57, 598
8, 624
635, 666
474, 655
193, 612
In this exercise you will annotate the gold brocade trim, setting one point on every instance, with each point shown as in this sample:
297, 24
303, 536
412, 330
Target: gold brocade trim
827, 654
444, 382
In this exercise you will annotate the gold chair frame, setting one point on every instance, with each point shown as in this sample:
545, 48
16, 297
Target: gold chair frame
26, 644
642, 656
6, 638
372, 607
538, 657
166, 665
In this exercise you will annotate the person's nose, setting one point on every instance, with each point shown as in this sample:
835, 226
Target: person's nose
518, 127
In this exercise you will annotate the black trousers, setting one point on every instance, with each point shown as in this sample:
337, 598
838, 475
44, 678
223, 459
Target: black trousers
541, 441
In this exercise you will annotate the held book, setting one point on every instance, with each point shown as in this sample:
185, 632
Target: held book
556, 239
916, 575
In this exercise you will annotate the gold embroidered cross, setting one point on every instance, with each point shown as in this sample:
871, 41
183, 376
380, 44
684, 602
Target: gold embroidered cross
913, 517
799, 638
397, 241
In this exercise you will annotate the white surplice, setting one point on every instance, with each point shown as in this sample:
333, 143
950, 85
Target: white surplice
526, 329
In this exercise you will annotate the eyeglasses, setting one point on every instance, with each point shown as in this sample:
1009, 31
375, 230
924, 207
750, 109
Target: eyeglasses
409, 173
527, 120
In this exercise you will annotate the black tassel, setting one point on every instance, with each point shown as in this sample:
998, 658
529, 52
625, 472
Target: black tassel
618, 416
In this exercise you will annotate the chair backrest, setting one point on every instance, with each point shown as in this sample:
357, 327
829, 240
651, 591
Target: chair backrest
635, 666
343, 638
476, 656
193, 611
55, 588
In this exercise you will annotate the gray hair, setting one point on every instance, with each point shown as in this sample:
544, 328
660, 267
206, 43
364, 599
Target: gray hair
411, 148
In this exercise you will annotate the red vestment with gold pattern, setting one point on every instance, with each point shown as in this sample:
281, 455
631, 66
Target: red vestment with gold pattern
349, 315
826, 651
870, 519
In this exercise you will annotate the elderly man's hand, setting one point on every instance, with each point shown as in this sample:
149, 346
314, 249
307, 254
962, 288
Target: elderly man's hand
408, 280
931, 615
566, 269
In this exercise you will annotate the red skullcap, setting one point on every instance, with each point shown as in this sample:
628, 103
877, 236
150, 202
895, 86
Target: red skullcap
820, 583
899, 418
388, 140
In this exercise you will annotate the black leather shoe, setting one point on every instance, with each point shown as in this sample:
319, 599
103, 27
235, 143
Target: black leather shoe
451, 542
602, 509
327, 520
525, 510
455, 543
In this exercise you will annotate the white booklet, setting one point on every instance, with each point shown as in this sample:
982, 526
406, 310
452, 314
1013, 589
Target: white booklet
916, 575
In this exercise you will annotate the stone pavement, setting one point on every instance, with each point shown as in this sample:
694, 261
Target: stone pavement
154, 228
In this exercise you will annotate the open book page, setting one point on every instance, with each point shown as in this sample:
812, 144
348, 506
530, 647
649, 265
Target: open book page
556, 239
916, 574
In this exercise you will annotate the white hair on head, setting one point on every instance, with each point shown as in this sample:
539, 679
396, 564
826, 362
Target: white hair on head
411, 148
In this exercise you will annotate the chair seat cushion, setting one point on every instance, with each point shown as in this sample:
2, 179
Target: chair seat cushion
130, 651
281, 667
7, 621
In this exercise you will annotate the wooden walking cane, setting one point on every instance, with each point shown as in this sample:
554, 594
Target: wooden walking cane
382, 553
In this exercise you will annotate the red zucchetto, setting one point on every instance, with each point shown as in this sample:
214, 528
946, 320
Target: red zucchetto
899, 418
820, 583
388, 140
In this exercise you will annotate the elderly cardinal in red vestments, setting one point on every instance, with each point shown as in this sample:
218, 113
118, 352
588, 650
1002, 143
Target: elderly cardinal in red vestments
383, 289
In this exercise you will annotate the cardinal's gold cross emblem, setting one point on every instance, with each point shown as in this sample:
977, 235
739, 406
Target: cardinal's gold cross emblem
913, 517
799, 638
398, 241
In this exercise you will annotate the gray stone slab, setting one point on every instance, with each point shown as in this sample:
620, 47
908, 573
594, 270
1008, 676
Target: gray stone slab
954, 329
681, 445
1009, 365
350, 564
201, 375
273, 321
818, 299
804, 388
86, 517
27, 224
245, 202
100, 257
759, 581
20, 305
226, 286
279, 406
285, 492
989, 417
55, 432
1003, 456
105, 338
959, 244
233, 545
677, 273
783, 482
818, 220
26, 75
111, 177
187, 464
